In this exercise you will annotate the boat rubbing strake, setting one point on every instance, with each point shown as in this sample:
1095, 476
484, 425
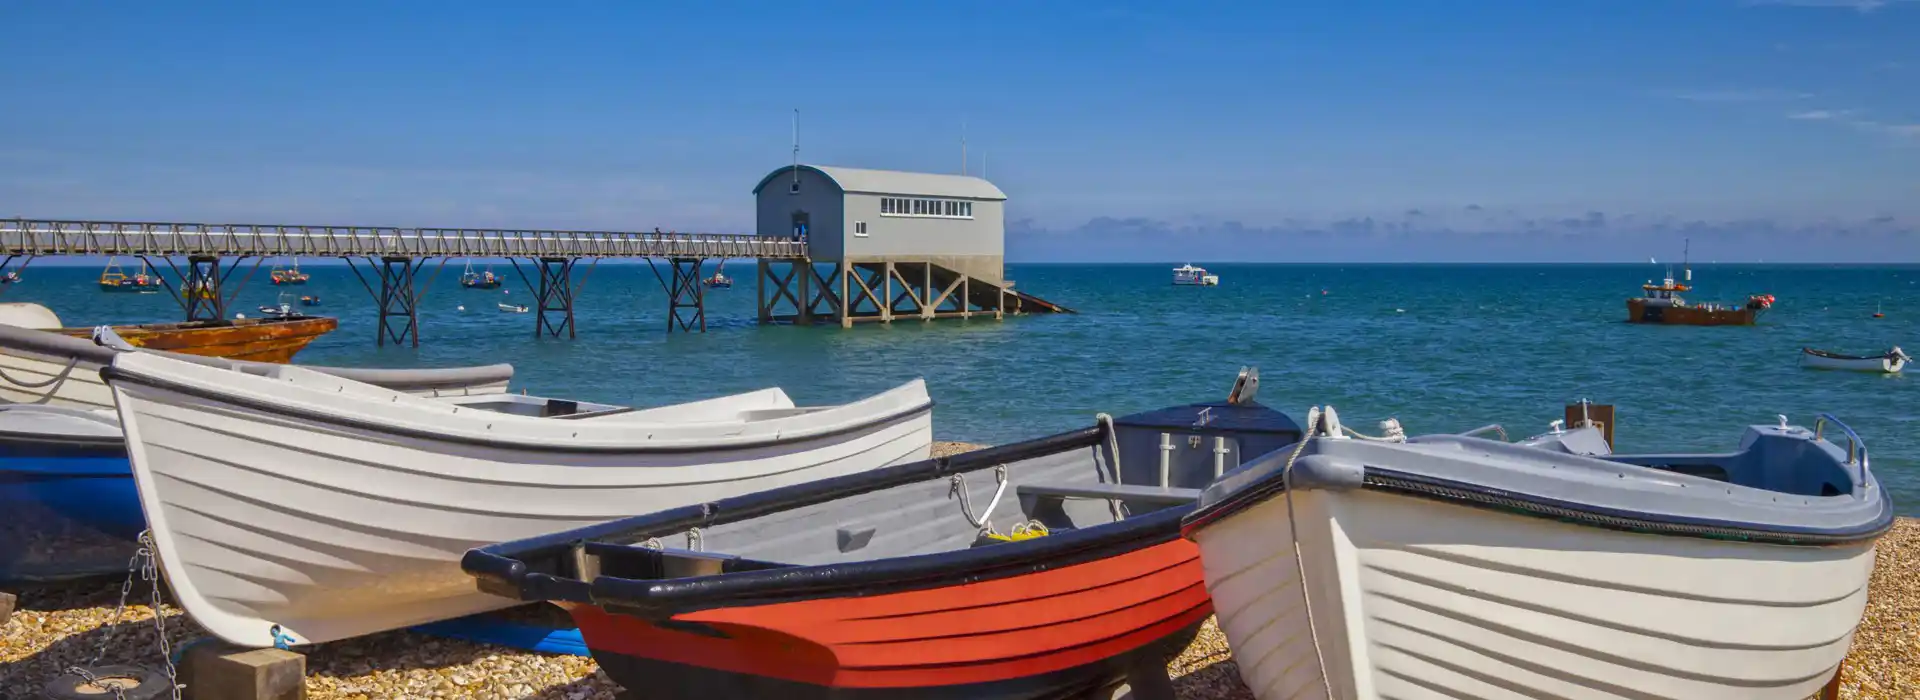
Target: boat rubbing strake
1551, 568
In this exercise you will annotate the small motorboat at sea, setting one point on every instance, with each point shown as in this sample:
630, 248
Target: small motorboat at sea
65, 483
1190, 276
1051, 568
1456, 566
10, 278
303, 507
513, 308
1888, 362
309, 300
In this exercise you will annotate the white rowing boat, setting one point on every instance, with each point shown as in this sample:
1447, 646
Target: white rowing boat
307, 508
1887, 362
1450, 566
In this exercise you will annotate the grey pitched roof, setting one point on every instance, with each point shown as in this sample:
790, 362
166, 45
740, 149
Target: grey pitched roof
896, 182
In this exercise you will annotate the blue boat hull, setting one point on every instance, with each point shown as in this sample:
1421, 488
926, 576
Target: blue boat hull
72, 509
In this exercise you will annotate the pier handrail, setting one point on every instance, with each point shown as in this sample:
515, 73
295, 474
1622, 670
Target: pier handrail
43, 237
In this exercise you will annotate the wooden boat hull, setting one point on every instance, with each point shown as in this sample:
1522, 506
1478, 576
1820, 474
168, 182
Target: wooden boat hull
1050, 633
255, 339
330, 509
1639, 311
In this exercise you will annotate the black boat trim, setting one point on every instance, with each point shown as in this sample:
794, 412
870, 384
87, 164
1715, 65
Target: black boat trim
112, 374
1478, 496
1838, 356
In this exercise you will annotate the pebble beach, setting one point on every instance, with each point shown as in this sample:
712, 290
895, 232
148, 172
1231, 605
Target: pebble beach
60, 626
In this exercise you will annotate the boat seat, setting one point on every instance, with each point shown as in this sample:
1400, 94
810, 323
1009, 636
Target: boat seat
1047, 502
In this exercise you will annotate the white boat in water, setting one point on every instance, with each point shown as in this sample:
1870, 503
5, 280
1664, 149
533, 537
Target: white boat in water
1189, 275
1887, 362
513, 308
1452, 566
307, 508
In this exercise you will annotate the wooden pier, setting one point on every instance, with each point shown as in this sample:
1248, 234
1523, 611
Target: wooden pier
396, 274
395, 257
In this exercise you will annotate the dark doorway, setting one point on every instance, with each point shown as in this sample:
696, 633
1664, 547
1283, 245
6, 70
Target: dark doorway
800, 221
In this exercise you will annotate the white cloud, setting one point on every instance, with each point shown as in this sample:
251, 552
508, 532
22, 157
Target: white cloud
1861, 6
1741, 95
1852, 118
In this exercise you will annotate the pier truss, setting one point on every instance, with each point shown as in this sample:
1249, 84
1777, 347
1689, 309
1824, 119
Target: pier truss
849, 292
394, 256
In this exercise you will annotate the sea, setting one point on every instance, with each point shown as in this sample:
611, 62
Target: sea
1441, 348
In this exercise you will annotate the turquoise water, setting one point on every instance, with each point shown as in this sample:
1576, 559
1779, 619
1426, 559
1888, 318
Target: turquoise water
1441, 348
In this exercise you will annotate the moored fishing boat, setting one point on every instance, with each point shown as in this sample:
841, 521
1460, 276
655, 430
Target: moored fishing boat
309, 508
289, 275
1662, 304
479, 280
1191, 276
1887, 362
142, 282
1461, 567
64, 478
1051, 568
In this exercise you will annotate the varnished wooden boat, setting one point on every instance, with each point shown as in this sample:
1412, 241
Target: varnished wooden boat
256, 339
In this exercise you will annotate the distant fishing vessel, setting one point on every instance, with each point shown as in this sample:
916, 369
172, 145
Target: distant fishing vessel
113, 280
309, 301
479, 280
289, 275
513, 309
720, 280
1190, 276
1888, 362
10, 278
1661, 303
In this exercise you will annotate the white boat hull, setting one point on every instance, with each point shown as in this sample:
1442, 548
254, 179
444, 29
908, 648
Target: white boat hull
1886, 365
267, 517
1413, 598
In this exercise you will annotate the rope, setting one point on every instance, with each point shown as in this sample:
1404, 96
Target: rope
1113, 461
1299, 560
55, 379
985, 521
1022, 531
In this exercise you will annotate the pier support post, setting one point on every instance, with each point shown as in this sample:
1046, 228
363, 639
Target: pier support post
807, 273
684, 292
398, 300
204, 299
555, 297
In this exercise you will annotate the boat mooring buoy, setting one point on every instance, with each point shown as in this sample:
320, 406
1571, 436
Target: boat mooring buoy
462, 307
239, 315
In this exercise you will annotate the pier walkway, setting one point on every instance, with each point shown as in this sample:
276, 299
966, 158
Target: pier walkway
394, 257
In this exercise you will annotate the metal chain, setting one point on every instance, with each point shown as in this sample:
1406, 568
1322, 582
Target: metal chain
150, 570
145, 565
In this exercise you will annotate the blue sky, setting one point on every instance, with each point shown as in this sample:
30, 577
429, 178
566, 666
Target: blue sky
1568, 130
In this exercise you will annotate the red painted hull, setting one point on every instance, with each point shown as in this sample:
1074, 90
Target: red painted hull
1045, 633
1639, 312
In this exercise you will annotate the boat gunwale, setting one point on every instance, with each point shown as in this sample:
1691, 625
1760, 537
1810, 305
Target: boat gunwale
507, 569
1476, 495
1889, 355
112, 374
